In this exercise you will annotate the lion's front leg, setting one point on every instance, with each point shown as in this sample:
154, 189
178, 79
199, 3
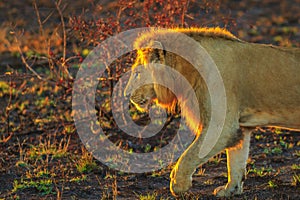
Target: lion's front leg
181, 175
236, 164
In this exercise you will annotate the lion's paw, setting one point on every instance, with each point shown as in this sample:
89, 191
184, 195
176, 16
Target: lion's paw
180, 185
228, 190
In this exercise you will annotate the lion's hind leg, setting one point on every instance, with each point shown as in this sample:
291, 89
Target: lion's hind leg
236, 164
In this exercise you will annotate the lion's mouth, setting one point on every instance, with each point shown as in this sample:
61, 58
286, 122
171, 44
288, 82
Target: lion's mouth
144, 105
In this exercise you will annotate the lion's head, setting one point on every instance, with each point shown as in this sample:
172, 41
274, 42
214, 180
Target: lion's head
148, 69
143, 97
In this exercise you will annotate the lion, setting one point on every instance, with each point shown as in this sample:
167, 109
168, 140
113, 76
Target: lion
262, 87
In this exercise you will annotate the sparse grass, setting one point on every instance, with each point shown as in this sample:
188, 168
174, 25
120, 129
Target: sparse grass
272, 184
278, 131
49, 147
4, 88
297, 153
261, 172
44, 173
43, 186
86, 163
200, 171
296, 180
296, 167
78, 179
209, 182
148, 196
259, 136
216, 159
275, 151
158, 173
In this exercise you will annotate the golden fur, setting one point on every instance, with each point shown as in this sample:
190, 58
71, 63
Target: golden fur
262, 84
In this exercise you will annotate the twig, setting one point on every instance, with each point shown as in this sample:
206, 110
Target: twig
121, 9
38, 17
184, 10
24, 60
57, 4
72, 58
28, 66
48, 17
63, 63
42, 32
7, 112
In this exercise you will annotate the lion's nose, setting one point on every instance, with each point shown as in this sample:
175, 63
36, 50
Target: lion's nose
126, 93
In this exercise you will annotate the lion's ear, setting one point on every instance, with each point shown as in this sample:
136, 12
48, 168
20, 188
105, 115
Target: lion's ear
159, 52
157, 45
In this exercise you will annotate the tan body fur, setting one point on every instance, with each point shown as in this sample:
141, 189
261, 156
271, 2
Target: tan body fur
262, 86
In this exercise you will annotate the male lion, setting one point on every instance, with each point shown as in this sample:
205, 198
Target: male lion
262, 86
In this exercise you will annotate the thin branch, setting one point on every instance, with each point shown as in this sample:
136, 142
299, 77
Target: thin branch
24, 60
38, 17
48, 17
120, 11
64, 66
7, 112
57, 4
63, 63
184, 10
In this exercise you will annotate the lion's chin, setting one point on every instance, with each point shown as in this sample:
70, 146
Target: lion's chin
142, 108
145, 106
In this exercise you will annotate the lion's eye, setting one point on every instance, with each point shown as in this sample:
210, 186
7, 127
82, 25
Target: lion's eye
137, 75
